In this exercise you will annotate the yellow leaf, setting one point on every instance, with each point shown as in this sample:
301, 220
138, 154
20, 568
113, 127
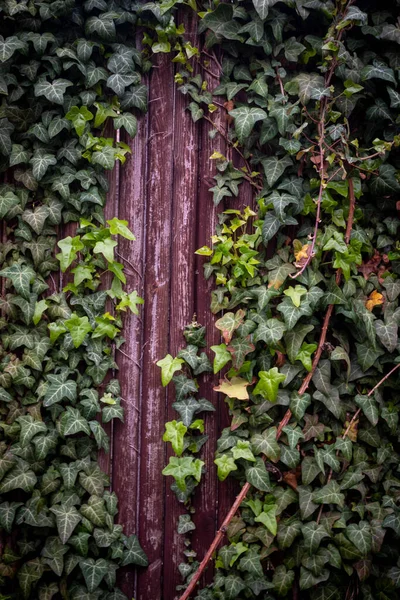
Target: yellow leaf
217, 156
374, 299
235, 388
302, 253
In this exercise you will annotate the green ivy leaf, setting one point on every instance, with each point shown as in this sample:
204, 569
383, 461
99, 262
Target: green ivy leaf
226, 464
78, 327
169, 365
268, 384
54, 92
257, 475
180, 468
175, 433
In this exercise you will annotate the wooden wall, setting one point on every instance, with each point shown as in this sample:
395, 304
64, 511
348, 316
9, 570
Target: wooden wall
162, 191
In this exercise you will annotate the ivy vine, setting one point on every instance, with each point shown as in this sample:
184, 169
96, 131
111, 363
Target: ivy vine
309, 288
70, 75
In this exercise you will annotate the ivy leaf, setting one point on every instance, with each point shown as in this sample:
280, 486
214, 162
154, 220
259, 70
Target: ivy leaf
311, 87
387, 334
104, 26
268, 518
308, 579
378, 70
19, 477
282, 580
8, 46
6, 128
78, 327
294, 339
369, 407
226, 464
69, 249
29, 574
292, 314
360, 535
239, 348
304, 355
295, 294
128, 122
229, 323
262, 7
21, 276
269, 331
306, 503
74, 422
274, 168
313, 535
40, 163
245, 119
222, 357
385, 182
29, 428
299, 404
234, 388
169, 365
106, 248
8, 200
135, 97
180, 468
120, 227
94, 511
243, 450
185, 524
329, 494
233, 586
7, 514
54, 92
268, 384
175, 433
266, 443
93, 571
58, 390
133, 553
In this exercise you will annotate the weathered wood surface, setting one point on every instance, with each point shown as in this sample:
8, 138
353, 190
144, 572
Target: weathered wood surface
162, 191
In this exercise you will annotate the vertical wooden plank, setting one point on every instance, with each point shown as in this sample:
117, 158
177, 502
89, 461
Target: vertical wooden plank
206, 503
185, 154
126, 442
156, 308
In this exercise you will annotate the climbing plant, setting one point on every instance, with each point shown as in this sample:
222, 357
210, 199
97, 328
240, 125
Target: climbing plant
309, 289
70, 76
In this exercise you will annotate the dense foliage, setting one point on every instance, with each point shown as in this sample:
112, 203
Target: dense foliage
69, 70
310, 293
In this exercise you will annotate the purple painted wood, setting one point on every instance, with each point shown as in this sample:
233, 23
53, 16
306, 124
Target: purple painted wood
184, 200
206, 500
156, 314
126, 442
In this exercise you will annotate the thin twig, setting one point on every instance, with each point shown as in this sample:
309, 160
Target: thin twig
225, 137
213, 57
130, 264
210, 72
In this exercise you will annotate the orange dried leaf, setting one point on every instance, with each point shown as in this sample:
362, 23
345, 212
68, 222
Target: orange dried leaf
374, 299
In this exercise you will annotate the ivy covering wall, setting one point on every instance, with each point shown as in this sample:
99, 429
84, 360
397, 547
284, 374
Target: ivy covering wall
306, 296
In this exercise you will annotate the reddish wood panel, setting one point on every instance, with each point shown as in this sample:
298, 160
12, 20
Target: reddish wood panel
157, 287
126, 442
207, 500
162, 192
184, 204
